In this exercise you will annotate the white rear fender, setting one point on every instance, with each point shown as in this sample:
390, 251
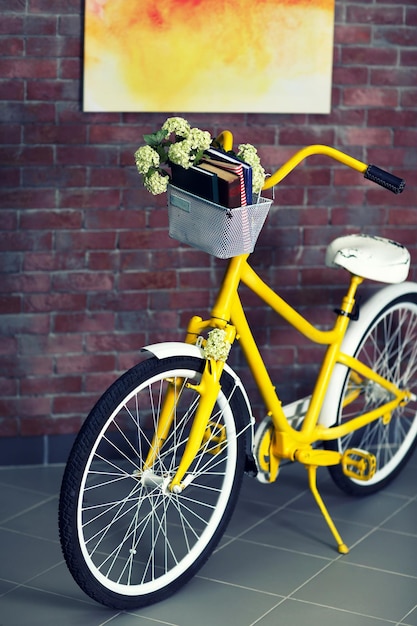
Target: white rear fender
176, 348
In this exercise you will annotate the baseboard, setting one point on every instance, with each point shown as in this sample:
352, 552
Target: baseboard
42, 450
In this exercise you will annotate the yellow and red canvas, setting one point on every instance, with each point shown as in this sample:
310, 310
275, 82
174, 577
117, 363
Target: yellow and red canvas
271, 56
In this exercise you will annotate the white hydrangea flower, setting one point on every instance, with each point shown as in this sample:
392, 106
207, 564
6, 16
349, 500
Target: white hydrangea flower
177, 125
217, 347
156, 183
180, 154
199, 139
249, 154
145, 158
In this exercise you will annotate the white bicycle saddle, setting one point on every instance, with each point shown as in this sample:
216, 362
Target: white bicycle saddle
370, 257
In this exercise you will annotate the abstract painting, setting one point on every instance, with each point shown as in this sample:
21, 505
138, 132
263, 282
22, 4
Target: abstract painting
255, 56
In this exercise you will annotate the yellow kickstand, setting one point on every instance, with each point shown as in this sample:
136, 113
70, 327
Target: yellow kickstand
312, 480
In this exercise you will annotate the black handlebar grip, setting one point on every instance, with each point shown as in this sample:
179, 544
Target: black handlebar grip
385, 179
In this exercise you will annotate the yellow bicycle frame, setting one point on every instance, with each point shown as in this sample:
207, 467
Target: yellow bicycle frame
227, 314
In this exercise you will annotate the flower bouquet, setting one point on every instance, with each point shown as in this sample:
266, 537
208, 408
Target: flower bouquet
207, 186
177, 144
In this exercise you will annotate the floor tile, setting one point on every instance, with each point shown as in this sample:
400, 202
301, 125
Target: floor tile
15, 500
258, 567
370, 510
39, 478
127, 619
304, 614
387, 551
57, 580
209, 603
30, 607
411, 618
23, 557
367, 591
405, 521
40, 521
305, 533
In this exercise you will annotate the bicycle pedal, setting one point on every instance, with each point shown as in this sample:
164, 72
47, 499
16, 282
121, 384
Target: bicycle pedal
358, 464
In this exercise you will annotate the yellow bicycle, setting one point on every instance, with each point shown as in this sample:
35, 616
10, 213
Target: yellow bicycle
155, 472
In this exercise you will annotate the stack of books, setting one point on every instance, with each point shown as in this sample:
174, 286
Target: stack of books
220, 177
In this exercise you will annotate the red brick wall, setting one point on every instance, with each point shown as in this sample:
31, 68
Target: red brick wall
89, 274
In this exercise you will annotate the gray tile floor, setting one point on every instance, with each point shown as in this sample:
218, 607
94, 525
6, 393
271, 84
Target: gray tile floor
276, 565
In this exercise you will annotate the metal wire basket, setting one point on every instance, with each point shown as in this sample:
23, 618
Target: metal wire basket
213, 228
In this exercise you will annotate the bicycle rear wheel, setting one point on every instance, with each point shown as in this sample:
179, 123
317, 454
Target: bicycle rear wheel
388, 344
127, 540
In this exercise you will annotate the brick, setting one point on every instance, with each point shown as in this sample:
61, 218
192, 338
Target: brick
23, 366
9, 427
151, 239
11, 325
115, 219
26, 68
15, 241
73, 282
374, 14
408, 98
50, 302
118, 301
348, 34
45, 425
73, 404
54, 90
54, 134
90, 322
82, 240
13, 47
411, 15
54, 176
25, 283
367, 137
398, 77
405, 36
29, 155
148, 280
85, 363
69, 343
116, 342
42, 220
345, 75
49, 261
367, 96
26, 112
51, 385
363, 56
11, 24
85, 155
405, 137
8, 345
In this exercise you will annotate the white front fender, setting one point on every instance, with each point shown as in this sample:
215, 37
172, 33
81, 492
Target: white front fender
177, 348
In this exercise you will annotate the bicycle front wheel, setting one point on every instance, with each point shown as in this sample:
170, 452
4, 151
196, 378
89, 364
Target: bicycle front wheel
127, 539
388, 344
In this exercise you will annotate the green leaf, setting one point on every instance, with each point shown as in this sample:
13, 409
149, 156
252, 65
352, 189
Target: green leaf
155, 139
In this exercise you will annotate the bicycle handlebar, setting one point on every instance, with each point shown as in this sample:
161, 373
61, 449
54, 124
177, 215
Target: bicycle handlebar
370, 172
385, 179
